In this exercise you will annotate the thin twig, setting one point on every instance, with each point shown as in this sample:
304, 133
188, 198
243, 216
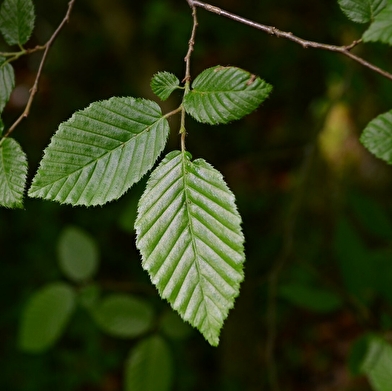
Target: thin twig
345, 50
34, 89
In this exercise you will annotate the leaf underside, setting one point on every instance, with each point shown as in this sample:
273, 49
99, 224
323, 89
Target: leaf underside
163, 84
362, 11
381, 29
223, 94
189, 234
98, 154
7, 82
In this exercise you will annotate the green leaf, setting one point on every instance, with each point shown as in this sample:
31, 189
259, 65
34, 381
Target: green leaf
149, 366
1, 126
78, 254
223, 94
17, 21
377, 136
174, 327
163, 84
98, 154
123, 316
189, 234
13, 173
381, 29
7, 82
88, 296
362, 11
45, 317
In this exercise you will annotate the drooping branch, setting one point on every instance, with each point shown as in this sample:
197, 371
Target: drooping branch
345, 50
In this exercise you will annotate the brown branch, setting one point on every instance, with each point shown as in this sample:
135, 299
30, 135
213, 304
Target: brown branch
345, 50
34, 89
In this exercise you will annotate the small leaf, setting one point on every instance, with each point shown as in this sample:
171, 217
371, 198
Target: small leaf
123, 316
45, 317
7, 82
189, 234
78, 254
377, 136
381, 29
88, 296
149, 366
223, 94
98, 154
13, 173
163, 84
362, 11
17, 21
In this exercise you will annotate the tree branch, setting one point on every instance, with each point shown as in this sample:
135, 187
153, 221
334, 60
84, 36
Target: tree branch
345, 50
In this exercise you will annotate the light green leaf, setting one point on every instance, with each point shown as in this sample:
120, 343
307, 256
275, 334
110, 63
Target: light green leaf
78, 254
362, 11
381, 29
13, 173
45, 317
223, 94
17, 21
189, 234
7, 82
149, 366
377, 136
123, 316
163, 84
98, 154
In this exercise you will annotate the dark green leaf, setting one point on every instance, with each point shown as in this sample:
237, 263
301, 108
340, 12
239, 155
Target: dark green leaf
13, 173
7, 82
98, 154
17, 21
189, 234
163, 84
362, 11
381, 29
223, 94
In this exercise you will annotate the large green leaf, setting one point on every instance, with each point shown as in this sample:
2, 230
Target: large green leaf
7, 82
45, 317
377, 136
381, 29
163, 84
362, 11
13, 173
17, 21
98, 154
189, 234
223, 94
149, 366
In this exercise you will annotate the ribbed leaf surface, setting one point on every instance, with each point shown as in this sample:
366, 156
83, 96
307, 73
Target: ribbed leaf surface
362, 11
17, 21
223, 94
189, 234
13, 173
98, 154
381, 29
163, 84
7, 82
377, 136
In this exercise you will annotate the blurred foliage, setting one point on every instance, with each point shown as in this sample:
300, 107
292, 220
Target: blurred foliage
341, 224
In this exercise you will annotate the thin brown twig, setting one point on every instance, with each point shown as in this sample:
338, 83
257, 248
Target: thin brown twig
345, 50
34, 88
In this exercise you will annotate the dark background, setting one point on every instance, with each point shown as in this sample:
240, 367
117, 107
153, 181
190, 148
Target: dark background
316, 209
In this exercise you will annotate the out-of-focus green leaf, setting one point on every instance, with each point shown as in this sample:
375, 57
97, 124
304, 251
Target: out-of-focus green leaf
13, 174
163, 84
223, 94
174, 327
381, 28
78, 254
45, 317
123, 316
149, 366
7, 82
17, 21
88, 296
362, 11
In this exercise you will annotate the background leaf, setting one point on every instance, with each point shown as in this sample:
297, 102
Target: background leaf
189, 234
78, 254
362, 11
45, 317
149, 366
123, 316
381, 29
13, 173
17, 21
163, 84
98, 154
223, 94
7, 82
377, 136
